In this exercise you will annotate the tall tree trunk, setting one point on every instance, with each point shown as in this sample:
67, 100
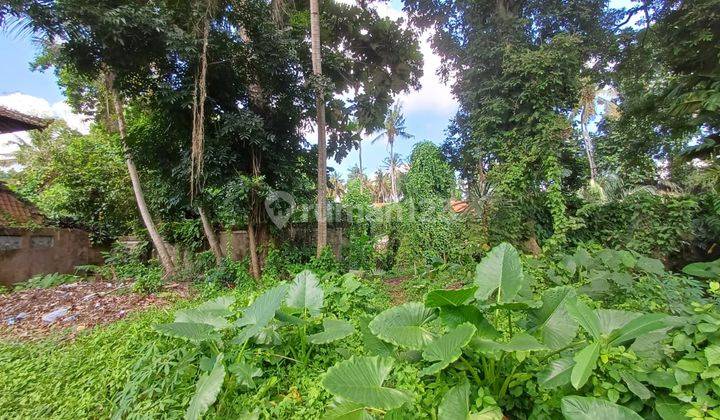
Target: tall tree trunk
210, 235
257, 101
253, 219
589, 147
157, 240
393, 184
322, 146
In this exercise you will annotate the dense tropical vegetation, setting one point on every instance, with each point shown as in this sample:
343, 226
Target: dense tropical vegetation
556, 255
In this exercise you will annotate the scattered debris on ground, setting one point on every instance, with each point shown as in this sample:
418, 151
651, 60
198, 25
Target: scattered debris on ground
74, 307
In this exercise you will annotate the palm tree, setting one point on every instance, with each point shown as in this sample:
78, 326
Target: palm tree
394, 129
380, 186
392, 165
337, 188
322, 146
355, 173
356, 129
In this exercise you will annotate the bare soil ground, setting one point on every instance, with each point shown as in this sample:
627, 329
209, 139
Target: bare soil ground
70, 308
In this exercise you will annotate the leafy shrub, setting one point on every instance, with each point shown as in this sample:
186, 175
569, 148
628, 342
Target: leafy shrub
624, 280
359, 253
186, 234
430, 178
325, 263
293, 310
650, 224
435, 234
120, 254
148, 280
276, 266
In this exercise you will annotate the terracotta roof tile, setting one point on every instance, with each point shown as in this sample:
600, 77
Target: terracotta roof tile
14, 211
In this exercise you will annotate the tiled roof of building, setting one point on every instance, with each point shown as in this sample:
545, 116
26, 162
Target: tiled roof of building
11, 121
16, 212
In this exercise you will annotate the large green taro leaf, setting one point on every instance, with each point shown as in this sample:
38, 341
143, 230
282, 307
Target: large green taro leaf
360, 380
588, 408
305, 293
447, 348
404, 325
500, 272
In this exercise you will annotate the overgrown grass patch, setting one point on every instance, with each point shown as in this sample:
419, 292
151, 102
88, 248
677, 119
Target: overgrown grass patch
78, 379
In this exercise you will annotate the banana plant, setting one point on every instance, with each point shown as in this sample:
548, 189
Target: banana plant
294, 309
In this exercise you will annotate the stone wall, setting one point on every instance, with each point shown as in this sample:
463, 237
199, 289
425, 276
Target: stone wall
297, 235
25, 253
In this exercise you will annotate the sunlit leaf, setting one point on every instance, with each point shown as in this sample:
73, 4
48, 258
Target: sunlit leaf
219, 306
455, 404
193, 332
441, 298
404, 325
360, 380
197, 316
206, 391
500, 271
452, 316
552, 322
245, 373
586, 317
333, 330
305, 293
556, 373
447, 348
588, 408
585, 363
637, 327
347, 410
373, 345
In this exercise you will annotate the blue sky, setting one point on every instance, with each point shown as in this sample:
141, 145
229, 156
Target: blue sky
16, 53
427, 111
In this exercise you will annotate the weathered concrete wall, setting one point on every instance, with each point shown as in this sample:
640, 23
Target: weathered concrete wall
297, 235
25, 253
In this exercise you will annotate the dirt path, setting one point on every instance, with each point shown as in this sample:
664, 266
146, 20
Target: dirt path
396, 290
71, 308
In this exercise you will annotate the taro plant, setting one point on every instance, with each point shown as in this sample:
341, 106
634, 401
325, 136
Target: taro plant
492, 339
285, 322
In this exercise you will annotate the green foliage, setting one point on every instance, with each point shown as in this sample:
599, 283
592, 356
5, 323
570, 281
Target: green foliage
360, 380
429, 178
623, 279
586, 408
325, 263
84, 377
643, 222
77, 179
489, 354
359, 253
44, 281
149, 280
429, 237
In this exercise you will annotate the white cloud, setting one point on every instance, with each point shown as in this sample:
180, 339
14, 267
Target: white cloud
38, 107
434, 95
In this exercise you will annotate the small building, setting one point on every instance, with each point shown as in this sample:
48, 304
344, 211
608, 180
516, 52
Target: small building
29, 245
